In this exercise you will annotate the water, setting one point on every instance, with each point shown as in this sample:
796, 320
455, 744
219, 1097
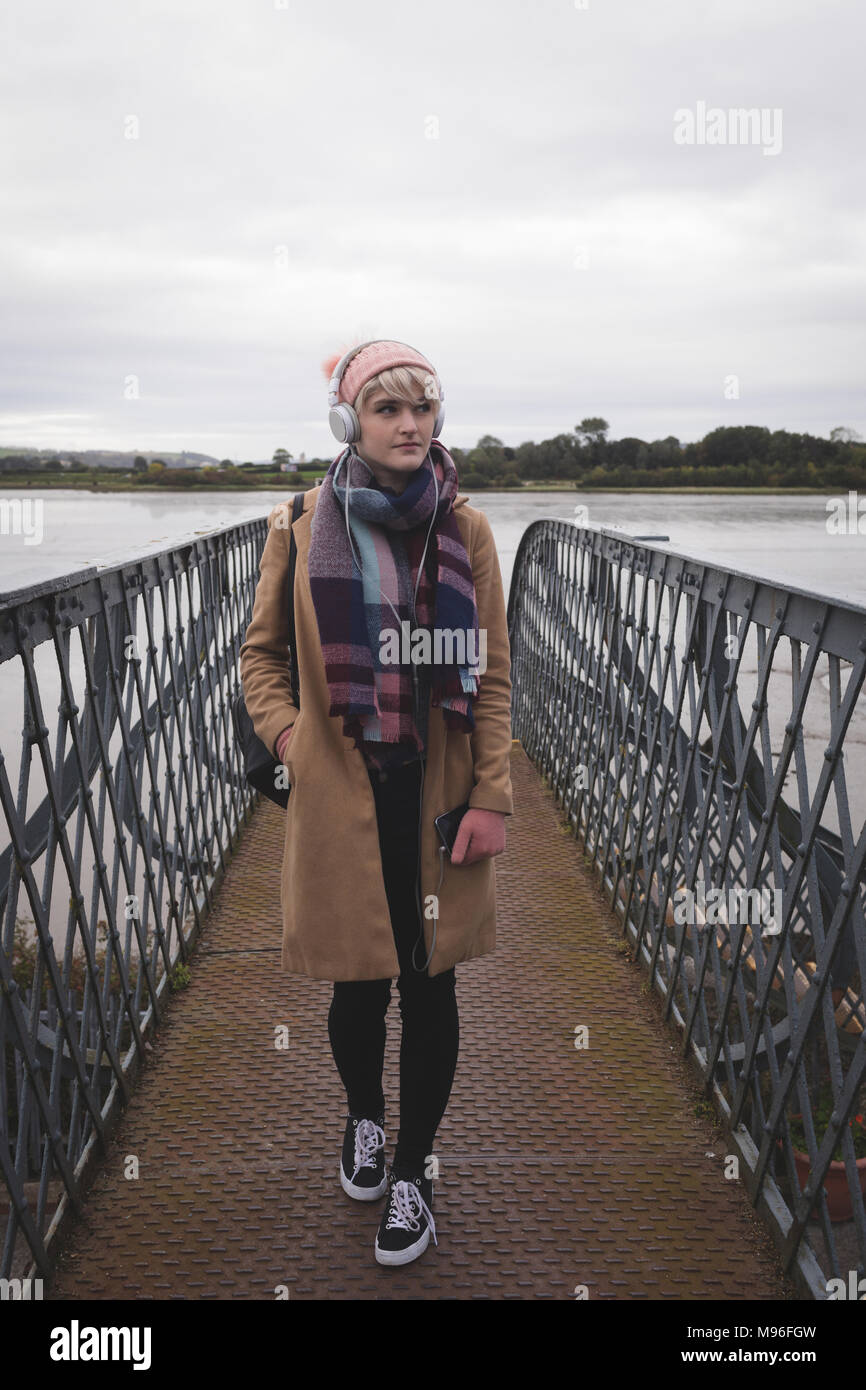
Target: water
776, 537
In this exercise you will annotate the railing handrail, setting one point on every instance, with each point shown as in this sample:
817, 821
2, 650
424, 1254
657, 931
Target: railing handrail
712, 568
623, 654
142, 795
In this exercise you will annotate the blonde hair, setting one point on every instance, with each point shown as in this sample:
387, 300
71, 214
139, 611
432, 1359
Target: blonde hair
403, 383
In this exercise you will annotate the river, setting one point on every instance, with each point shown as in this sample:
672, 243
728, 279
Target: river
777, 537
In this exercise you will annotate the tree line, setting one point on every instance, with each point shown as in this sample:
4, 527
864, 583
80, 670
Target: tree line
729, 456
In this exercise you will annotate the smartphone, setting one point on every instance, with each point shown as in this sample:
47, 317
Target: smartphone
449, 823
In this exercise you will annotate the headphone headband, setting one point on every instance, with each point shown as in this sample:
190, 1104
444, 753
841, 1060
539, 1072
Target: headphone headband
337, 374
342, 418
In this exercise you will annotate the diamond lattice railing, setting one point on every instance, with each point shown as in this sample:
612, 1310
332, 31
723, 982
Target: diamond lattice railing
122, 790
705, 734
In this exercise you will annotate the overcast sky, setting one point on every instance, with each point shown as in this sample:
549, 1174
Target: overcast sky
202, 199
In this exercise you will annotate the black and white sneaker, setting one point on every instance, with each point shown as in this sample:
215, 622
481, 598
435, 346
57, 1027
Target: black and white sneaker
362, 1166
406, 1225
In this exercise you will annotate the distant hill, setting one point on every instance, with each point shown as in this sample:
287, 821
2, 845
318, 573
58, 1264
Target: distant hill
109, 458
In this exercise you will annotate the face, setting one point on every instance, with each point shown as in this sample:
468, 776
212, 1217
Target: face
387, 424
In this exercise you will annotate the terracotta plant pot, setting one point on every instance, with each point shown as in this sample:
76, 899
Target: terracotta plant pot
839, 1203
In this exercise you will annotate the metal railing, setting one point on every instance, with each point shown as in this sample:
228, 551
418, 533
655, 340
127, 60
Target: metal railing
122, 792
692, 723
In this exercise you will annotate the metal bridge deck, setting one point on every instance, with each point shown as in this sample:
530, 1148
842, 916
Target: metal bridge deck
559, 1167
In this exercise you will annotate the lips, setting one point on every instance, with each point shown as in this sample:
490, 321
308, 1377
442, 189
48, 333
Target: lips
407, 447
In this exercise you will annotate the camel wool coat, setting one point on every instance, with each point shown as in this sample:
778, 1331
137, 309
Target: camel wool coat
336, 922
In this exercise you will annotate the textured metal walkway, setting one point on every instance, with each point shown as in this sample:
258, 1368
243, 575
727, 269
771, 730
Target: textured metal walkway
559, 1167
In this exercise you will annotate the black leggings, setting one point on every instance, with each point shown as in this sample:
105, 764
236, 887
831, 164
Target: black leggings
356, 1019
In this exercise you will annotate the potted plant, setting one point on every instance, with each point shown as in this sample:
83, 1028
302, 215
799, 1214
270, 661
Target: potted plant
839, 1203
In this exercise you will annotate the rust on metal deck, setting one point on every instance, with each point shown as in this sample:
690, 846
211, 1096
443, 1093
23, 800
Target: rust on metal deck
561, 1169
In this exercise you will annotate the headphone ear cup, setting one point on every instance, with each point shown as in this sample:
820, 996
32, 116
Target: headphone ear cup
344, 423
439, 422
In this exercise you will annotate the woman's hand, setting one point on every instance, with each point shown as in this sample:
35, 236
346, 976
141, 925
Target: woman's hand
481, 836
282, 742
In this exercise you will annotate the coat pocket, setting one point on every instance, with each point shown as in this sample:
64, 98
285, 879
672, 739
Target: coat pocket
289, 752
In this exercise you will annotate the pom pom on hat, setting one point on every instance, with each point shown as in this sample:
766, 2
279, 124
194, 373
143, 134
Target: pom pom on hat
330, 363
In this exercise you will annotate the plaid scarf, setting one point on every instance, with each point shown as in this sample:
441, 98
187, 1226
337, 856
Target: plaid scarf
380, 706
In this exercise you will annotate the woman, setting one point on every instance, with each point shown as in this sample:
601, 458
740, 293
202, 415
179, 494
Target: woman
403, 670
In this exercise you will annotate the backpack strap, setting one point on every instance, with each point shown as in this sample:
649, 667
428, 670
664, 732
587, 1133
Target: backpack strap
297, 509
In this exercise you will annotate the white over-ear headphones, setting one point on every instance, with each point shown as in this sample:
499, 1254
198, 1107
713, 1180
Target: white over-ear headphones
346, 427
342, 418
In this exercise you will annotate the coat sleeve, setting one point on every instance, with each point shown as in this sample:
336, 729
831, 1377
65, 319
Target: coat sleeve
265, 667
491, 737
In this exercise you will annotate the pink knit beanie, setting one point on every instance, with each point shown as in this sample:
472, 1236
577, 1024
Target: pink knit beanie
370, 361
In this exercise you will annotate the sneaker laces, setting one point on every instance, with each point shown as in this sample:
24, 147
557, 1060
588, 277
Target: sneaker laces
407, 1204
369, 1137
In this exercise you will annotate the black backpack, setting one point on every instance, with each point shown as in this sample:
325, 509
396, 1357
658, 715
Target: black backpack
260, 765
